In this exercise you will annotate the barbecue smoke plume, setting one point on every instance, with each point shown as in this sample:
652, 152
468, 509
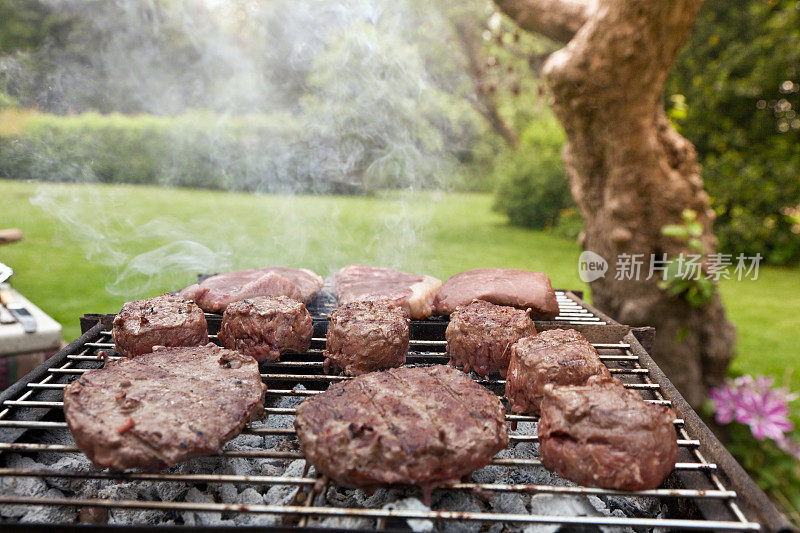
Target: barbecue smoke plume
279, 100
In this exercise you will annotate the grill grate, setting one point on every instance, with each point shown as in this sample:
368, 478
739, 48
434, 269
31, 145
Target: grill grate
35, 406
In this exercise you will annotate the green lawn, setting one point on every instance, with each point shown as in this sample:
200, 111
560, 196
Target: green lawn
79, 239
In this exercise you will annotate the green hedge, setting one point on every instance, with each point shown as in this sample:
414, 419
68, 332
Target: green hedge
198, 150
532, 185
253, 153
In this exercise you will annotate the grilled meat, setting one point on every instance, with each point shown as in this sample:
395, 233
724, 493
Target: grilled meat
215, 293
161, 408
163, 321
557, 356
410, 292
412, 425
367, 336
480, 335
603, 434
501, 286
265, 327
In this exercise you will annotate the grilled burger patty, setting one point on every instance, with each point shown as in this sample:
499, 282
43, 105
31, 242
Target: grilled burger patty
605, 435
365, 336
412, 425
557, 356
167, 320
161, 408
480, 335
265, 327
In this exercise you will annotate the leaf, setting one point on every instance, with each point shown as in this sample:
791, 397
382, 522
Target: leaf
694, 229
673, 230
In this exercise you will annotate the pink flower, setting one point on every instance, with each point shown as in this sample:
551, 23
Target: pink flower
767, 413
726, 401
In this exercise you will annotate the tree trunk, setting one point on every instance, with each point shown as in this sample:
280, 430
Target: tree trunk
630, 172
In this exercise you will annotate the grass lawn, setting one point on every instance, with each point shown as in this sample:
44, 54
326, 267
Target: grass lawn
91, 248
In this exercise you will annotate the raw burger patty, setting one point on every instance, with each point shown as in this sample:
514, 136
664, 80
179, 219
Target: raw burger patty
605, 435
422, 426
480, 335
501, 286
557, 356
365, 336
412, 293
265, 327
167, 320
161, 408
215, 293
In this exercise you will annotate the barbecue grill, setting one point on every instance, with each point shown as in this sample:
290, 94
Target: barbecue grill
707, 491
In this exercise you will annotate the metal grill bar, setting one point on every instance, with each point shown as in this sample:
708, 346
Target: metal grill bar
305, 503
286, 480
412, 342
698, 455
62, 448
267, 410
392, 513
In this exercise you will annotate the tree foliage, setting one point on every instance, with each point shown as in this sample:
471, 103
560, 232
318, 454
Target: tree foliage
735, 93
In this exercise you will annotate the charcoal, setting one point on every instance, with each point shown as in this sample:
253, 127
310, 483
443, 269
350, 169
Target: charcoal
49, 514
194, 518
506, 502
419, 526
456, 501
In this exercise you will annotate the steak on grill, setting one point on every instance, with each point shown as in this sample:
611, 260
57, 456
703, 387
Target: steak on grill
366, 336
605, 435
266, 327
410, 292
501, 286
411, 425
215, 293
480, 335
557, 356
158, 409
163, 321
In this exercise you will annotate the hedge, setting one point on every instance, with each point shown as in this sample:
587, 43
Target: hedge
255, 153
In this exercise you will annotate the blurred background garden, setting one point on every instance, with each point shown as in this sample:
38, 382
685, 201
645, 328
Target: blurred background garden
143, 143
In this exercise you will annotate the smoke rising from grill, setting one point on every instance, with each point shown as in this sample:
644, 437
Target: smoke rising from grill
280, 98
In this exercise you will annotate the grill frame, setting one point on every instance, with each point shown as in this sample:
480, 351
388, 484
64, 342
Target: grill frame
699, 494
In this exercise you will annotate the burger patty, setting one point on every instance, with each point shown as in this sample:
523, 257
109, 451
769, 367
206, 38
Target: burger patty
557, 356
161, 408
411, 425
480, 335
603, 434
167, 320
365, 336
265, 327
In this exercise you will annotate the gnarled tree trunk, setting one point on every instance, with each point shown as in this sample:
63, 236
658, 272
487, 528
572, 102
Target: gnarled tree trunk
630, 172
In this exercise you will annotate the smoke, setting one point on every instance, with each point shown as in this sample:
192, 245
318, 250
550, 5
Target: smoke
283, 100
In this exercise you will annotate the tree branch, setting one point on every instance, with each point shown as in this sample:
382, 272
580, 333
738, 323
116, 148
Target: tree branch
465, 31
558, 20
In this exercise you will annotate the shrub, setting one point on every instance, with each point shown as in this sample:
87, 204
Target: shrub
569, 224
247, 153
735, 94
532, 185
6, 100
